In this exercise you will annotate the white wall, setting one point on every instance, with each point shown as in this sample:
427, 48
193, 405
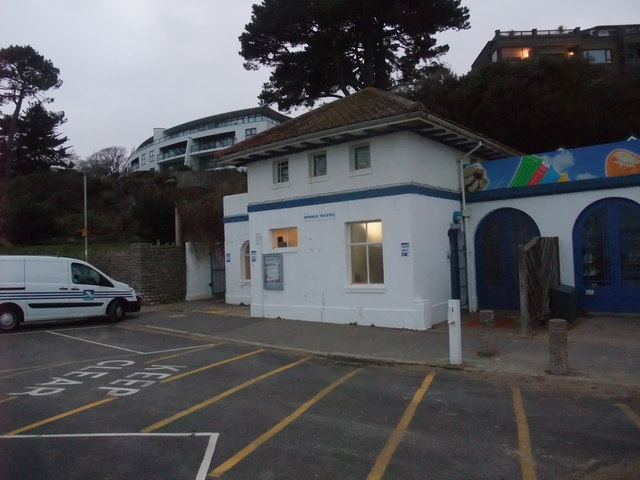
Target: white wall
397, 158
235, 234
317, 285
555, 216
198, 265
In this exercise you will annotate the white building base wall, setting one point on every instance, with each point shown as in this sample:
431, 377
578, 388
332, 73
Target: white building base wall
198, 264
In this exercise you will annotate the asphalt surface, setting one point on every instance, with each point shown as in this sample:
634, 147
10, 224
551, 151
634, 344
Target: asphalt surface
196, 391
601, 350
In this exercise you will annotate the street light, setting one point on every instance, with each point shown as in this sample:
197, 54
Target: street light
85, 231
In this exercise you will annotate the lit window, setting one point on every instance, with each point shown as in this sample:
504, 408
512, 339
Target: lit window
281, 171
245, 266
516, 52
365, 246
318, 164
284, 237
360, 158
597, 56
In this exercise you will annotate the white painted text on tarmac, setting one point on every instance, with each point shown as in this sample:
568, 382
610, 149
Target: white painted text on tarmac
120, 387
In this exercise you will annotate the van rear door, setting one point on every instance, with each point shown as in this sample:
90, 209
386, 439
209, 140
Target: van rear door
47, 284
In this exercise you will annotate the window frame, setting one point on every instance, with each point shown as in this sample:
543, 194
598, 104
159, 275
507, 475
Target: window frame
354, 167
245, 262
368, 243
278, 177
287, 240
608, 56
313, 170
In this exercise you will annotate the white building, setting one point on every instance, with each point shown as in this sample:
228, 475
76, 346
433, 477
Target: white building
193, 143
350, 206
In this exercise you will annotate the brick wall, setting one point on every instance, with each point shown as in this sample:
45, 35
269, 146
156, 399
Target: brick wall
156, 272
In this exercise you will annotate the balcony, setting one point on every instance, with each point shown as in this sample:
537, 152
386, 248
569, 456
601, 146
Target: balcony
174, 152
212, 145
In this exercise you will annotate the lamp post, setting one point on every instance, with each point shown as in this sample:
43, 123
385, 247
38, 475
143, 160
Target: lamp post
85, 231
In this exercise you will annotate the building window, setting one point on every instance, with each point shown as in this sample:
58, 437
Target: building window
516, 52
245, 266
152, 156
360, 157
281, 171
597, 56
318, 164
250, 132
284, 237
365, 248
143, 158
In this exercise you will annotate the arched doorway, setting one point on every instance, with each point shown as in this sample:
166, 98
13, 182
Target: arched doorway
496, 246
606, 245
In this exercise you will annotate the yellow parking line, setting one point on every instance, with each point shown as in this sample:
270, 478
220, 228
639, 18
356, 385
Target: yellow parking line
62, 415
187, 352
238, 457
633, 416
218, 397
527, 463
394, 440
7, 399
206, 367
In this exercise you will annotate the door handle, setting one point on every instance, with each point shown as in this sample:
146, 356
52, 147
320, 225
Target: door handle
75, 289
63, 288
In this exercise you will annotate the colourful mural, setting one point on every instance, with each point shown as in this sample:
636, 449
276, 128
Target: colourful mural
598, 161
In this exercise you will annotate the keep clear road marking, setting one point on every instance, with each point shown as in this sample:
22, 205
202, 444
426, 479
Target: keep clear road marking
246, 451
219, 397
206, 367
106, 400
527, 463
394, 440
633, 416
204, 464
62, 415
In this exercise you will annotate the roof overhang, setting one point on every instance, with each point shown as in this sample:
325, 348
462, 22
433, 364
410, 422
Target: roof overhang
419, 122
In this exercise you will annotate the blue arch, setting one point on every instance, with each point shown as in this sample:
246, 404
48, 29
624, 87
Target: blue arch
606, 246
496, 258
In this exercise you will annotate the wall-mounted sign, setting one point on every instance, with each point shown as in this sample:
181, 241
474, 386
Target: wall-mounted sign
253, 256
228, 257
272, 266
319, 216
404, 249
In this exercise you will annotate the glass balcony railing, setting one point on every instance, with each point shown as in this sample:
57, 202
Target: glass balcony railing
175, 152
200, 146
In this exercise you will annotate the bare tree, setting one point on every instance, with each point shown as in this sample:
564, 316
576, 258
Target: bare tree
109, 161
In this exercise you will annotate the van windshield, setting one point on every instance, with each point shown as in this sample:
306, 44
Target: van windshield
84, 275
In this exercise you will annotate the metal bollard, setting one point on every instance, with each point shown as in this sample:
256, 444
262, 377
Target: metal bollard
455, 333
487, 334
558, 351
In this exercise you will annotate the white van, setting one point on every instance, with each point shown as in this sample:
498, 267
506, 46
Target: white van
34, 288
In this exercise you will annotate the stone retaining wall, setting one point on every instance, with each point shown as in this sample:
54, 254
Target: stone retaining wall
156, 272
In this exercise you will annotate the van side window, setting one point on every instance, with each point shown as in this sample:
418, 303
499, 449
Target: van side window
81, 274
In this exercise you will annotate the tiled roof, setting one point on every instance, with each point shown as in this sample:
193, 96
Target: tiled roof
366, 107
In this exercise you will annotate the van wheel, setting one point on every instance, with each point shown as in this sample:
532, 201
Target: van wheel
9, 318
116, 311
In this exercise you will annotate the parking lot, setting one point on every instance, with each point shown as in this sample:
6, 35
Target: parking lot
96, 400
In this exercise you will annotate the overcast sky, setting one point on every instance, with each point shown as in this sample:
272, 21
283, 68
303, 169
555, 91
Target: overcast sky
131, 65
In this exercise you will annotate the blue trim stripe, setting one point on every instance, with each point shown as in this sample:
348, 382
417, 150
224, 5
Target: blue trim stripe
236, 218
554, 188
380, 192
